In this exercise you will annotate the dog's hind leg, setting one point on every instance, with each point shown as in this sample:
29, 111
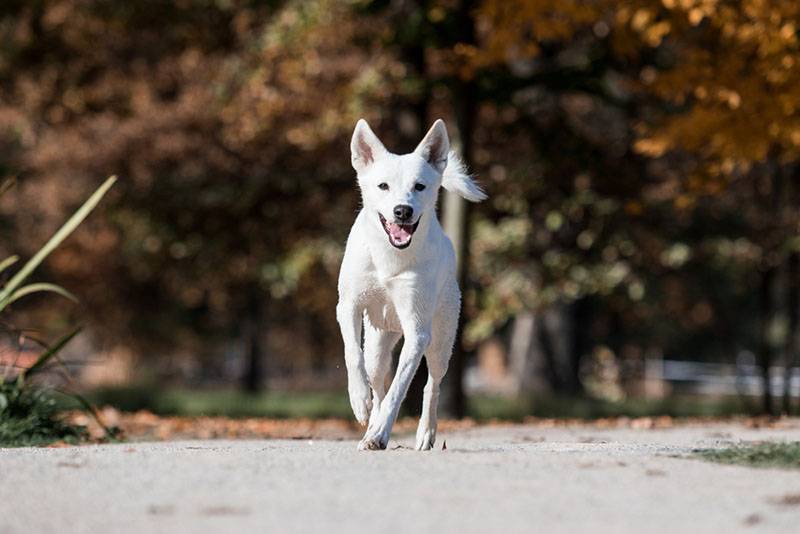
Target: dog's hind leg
437, 357
378, 345
426, 431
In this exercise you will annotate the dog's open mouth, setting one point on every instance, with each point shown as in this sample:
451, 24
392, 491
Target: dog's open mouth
399, 234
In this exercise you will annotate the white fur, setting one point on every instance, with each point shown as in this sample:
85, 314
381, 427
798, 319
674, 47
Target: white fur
391, 292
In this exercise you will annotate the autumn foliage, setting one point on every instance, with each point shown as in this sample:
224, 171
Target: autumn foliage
640, 157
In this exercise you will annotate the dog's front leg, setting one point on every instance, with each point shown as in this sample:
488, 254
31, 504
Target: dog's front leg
417, 337
349, 316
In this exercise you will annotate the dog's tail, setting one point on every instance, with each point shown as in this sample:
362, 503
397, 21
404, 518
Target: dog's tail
456, 180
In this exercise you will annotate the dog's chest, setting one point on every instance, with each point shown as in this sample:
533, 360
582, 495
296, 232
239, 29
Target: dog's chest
379, 309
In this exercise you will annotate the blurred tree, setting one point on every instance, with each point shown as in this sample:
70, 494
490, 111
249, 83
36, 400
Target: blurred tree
714, 87
640, 156
550, 82
215, 115
727, 73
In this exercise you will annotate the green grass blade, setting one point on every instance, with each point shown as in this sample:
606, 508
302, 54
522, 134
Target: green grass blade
37, 288
68, 227
8, 262
47, 355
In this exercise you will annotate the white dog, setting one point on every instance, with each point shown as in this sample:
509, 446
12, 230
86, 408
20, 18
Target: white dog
398, 278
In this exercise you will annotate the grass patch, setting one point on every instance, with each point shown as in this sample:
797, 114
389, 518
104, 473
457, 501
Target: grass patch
515, 409
29, 414
784, 455
323, 404
227, 403
30, 417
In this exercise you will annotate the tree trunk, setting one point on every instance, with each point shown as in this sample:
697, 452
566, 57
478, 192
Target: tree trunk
548, 330
415, 55
793, 301
253, 376
456, 214
526, 360
765, 349
581, 312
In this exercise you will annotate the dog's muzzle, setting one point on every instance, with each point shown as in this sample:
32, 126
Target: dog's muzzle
399, 233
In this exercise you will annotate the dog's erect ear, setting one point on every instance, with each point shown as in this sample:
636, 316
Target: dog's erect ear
456, 180
365, 147
434, 146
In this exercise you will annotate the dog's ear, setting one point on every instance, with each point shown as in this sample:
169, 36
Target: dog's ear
456, 180
365, 147
434, 146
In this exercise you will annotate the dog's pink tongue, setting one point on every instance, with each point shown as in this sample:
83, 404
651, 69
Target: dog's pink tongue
400, 233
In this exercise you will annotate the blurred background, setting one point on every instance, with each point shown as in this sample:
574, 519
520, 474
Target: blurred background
638, 253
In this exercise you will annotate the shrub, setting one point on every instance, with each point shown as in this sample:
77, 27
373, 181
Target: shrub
29, 414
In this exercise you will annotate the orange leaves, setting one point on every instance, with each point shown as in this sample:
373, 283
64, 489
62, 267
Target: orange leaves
736, 70
732, 70
653, 146
656, 33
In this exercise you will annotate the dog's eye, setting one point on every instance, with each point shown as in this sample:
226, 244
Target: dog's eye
419, 187
383, 186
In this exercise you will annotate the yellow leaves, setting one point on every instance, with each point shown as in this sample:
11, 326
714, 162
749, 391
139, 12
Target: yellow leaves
740, 68
708, 130
696, 16
730, 97
700, 92
728, 30
735, 78
641, 18
727, 166
656, 33
437, 14
695, 10
622, 15
653, 146
644, 22
789, 32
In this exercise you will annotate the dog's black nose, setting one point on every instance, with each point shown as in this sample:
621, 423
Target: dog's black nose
402, 212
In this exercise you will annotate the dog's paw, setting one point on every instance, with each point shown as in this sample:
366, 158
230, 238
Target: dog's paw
360, 400
425, 440
373, 443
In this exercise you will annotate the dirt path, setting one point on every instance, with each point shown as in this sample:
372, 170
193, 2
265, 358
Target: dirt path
499, 479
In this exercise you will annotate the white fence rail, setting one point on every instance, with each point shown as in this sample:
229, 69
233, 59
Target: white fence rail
720, 378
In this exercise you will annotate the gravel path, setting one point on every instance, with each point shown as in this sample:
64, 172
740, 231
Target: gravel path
498, 479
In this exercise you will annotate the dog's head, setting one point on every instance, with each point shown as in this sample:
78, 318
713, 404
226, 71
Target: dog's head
398, 190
